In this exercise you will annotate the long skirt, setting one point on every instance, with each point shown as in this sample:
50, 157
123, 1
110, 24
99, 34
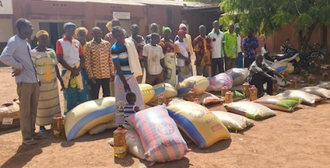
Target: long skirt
73, 96
49, 103
120, 92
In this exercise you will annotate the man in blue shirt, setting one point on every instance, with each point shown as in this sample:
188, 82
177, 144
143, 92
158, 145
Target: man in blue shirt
17, 54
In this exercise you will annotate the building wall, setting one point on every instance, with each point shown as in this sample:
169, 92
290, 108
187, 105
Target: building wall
6, 30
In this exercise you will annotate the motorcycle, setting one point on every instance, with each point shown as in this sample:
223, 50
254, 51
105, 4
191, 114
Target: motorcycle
310, 60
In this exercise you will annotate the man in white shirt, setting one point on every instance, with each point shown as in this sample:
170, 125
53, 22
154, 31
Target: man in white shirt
239, 60
183, 57
217, 53
154, 61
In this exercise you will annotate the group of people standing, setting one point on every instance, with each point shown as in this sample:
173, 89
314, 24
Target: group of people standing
86, 66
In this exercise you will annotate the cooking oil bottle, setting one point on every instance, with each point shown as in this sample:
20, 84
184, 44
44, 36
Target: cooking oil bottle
119, 137
253, 93
246, 90
58, 126
325, 76
224, 89
293, 83
229, 97
161, 99
310, 80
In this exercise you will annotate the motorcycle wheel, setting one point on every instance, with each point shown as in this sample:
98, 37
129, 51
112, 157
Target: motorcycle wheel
313, 64
297, 68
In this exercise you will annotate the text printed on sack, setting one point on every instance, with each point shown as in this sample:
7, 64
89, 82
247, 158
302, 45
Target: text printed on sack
166, 144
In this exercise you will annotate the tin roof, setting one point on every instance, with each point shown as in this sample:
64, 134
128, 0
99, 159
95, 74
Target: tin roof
144, 2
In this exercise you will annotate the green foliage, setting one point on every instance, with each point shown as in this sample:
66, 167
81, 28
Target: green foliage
265, 16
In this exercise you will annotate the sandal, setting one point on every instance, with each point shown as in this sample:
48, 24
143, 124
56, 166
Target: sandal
30, 142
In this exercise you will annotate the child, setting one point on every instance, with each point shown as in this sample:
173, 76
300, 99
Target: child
130, 108
154, 61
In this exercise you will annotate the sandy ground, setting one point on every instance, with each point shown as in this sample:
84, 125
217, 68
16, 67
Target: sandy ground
299, 139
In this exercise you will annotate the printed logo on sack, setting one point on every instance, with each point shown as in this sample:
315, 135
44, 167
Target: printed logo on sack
132, 135
165, 129
198, 113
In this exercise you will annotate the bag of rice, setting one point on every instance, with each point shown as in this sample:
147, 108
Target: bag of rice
198, 83
100, 128
305, 97
325, 85
167, 89
134, 144
238, 74
198, 123
218, 81
325, 93
233, 121
159, 135
250, 110
205, 98
147, 92
279, 103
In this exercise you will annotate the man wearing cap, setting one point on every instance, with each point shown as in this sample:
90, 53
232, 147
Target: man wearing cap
70, 55
183, 56
17, 54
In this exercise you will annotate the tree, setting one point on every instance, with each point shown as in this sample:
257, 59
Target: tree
266, 16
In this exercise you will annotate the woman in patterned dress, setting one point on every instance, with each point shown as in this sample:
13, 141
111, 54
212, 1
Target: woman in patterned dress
46, 65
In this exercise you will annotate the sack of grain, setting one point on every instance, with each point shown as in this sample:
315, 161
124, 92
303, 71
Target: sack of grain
325, 93
250, 110
305, 97
233, 121
279, 103
198, 123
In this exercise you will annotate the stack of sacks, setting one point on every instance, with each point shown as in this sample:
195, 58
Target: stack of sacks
232, 121
238, 75
198, 83
279, 103
219, 81
167, 89
325, 85
305, 97
250, 110
87, 115
147, 92
324, 93
134, 144
160, 137
198, 123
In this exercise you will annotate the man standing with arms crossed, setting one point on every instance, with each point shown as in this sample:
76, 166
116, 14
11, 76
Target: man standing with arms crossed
17, 54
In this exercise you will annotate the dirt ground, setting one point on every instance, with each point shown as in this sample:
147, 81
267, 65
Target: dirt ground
299, 139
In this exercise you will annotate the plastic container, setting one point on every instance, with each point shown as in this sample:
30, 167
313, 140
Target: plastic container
120, 147
196, 100
224, 90
229, 97
161, 99
310, 80
325, 76
293, 83
58, 126
246, 90
192, 94
253, 93
120, 118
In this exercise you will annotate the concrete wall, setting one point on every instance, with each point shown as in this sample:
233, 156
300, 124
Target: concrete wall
6, 30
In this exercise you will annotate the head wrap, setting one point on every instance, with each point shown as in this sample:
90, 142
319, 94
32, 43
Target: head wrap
182, 32
79, 29
166, 29
109, 26
68, 24
42, 32
182, 26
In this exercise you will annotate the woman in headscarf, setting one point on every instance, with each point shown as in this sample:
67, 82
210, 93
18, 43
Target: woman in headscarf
46, 65
81, 33
170, 60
